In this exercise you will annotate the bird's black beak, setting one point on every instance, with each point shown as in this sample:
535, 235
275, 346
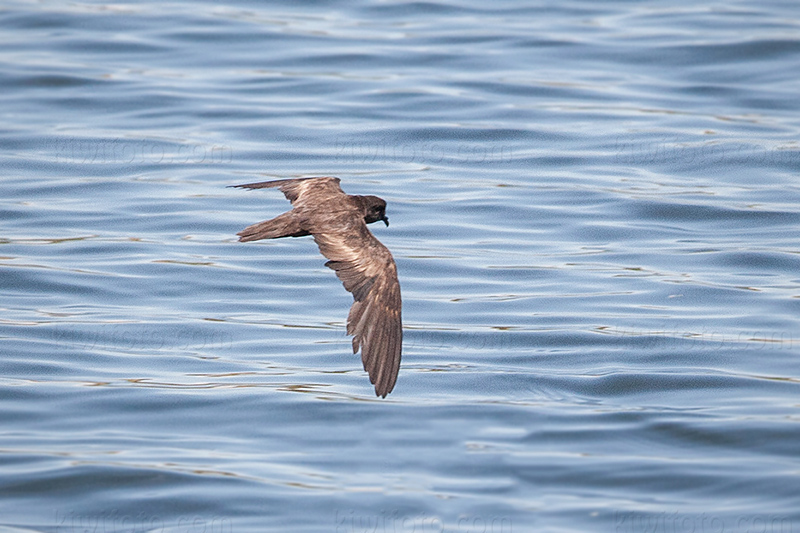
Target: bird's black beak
385, 220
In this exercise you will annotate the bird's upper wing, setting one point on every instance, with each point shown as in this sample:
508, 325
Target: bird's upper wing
367, 269
303, 189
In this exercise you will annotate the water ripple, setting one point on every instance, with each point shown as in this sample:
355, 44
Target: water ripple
594, 218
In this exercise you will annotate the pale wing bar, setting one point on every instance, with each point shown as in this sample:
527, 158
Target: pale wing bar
293, 189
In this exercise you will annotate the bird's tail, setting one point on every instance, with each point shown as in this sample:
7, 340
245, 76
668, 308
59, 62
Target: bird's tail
285, 225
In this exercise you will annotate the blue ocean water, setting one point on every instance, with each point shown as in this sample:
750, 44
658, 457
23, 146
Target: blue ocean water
595, 214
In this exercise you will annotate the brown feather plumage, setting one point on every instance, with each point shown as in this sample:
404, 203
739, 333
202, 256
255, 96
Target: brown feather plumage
366, 268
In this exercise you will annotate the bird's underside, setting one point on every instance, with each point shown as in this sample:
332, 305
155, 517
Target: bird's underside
338, 223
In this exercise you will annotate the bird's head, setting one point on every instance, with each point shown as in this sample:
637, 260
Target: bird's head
374, 209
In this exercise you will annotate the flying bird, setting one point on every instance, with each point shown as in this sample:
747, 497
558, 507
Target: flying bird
366, 268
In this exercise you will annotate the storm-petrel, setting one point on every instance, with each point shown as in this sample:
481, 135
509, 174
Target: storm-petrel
338, 223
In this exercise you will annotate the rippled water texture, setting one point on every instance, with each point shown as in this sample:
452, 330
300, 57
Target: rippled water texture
595, 215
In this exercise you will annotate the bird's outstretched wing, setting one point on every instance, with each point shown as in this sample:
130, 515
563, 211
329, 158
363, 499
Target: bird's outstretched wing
367, 269
300, 188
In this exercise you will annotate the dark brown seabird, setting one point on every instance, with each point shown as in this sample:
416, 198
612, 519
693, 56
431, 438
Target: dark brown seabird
338, 223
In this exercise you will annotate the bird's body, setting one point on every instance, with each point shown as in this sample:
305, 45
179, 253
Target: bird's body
338, 223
